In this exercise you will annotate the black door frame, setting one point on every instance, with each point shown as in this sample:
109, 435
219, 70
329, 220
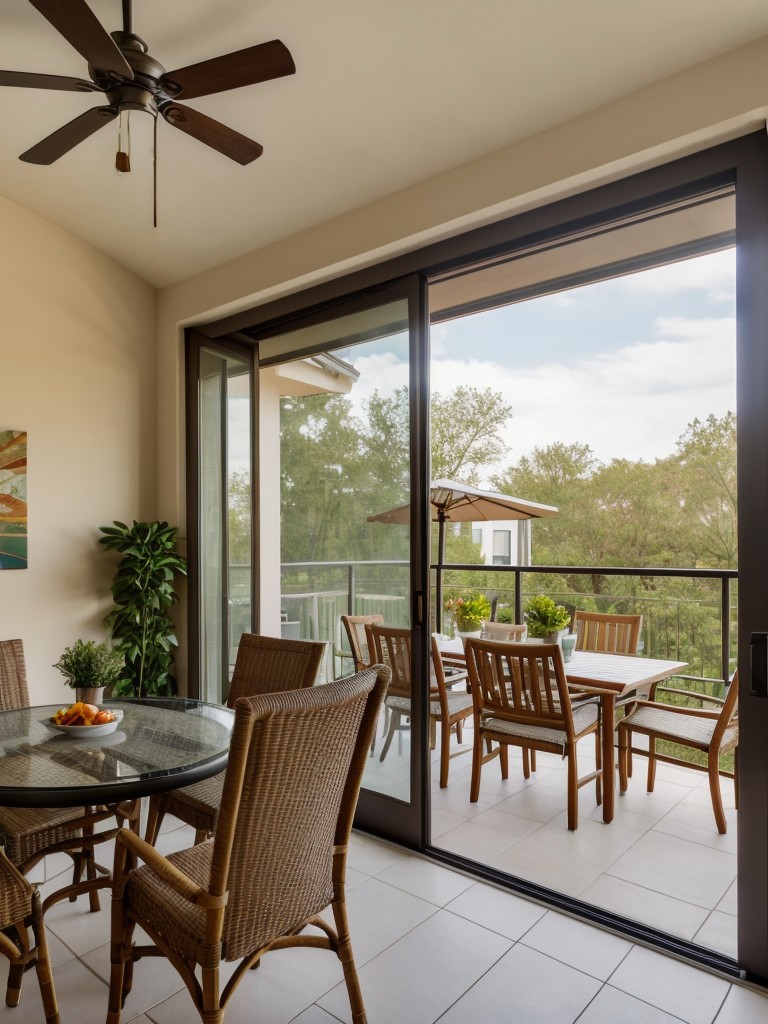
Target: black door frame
742, 162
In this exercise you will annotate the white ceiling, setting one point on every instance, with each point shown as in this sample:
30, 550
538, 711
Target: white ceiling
386, 94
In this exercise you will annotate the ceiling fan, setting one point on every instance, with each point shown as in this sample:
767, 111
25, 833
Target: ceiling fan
121, 68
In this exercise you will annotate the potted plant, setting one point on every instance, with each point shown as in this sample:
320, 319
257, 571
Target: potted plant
89, 667
545, 619
143, 592
469, 612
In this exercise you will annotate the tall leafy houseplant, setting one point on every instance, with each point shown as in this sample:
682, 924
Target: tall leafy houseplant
143, 591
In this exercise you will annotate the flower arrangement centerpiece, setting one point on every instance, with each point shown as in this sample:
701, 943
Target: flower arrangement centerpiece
544, 618
469, 610
90, 666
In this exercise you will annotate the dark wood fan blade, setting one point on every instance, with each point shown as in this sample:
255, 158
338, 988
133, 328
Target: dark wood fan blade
27, 80
82, 29
212, 133
68, 136
232, 71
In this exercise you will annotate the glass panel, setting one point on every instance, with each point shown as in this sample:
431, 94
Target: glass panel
344, 417
599, 377
225, 517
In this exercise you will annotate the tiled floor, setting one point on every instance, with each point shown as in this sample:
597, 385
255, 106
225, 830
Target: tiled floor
661, 860
431, 945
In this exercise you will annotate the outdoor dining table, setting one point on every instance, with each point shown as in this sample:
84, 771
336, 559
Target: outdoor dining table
611, 676
159, 744
608, 676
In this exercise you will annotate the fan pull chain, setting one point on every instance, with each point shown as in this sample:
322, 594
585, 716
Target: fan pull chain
123, 157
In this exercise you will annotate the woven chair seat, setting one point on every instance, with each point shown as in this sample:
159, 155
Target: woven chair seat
584, 715
456, 702
178, 921
25, 831
686, 728
199, 802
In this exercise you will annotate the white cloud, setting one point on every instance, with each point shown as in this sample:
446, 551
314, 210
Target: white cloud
714, 273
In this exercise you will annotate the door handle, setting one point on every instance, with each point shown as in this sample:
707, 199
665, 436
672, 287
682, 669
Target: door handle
758, 669
418, 607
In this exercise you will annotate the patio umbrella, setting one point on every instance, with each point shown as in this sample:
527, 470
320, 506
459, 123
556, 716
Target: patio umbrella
458, 503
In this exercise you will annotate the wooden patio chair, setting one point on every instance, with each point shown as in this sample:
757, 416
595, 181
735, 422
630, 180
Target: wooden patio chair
278, 857
392, 645
502, 631
712, 731
29, 834
264, 664
521, 699
609, 632
354, 626
20, 912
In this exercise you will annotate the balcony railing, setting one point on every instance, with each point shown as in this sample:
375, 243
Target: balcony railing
688, 614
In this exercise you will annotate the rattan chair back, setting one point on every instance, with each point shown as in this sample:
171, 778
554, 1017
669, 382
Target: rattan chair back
502, 631
266, 664
279, 855
14, 692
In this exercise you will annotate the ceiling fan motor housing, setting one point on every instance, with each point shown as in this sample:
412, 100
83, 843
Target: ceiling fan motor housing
143, 91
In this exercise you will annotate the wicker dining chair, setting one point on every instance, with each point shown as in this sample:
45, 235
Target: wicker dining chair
20, 912
521, 699
264, 664
278, 857
29, 834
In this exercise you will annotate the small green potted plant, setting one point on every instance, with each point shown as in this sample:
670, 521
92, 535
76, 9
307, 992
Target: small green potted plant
89, 667
469, 612
546, 620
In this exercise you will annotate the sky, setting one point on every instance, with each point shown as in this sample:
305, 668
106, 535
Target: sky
623, 365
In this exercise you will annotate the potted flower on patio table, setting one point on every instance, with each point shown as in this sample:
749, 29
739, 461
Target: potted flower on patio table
546, 620
469, 612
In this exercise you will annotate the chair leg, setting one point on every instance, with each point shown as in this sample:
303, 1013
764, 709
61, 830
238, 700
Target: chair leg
528, 755
445, 752
477, 764
43, 965
622, 759
504, 759
345, 955
651, 763
573, 790
598, 767
394, 723
155, 815
714, 790
16, 967
533, 760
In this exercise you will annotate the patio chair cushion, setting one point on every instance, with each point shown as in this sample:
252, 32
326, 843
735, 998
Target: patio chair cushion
683, 727
584, 715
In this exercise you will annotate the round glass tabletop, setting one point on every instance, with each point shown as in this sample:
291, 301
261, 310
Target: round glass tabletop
159, 744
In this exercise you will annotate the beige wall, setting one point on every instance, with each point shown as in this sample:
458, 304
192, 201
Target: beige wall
78, 373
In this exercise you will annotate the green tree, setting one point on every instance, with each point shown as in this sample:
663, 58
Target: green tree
466, 430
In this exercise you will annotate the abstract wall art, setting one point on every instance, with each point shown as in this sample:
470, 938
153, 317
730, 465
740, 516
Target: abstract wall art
13, 499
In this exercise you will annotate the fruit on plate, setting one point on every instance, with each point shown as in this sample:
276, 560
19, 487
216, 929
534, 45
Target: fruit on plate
81, 713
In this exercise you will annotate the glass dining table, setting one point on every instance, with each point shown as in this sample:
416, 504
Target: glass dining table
159, 744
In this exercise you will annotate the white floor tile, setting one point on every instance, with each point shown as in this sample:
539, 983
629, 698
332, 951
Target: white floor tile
687, 871
500, 911
425, 879
743, 1006
611, 1006
369, 856
154, 980
719, 932
449, 951
525, 986
590, 950
646, 906
684, 991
